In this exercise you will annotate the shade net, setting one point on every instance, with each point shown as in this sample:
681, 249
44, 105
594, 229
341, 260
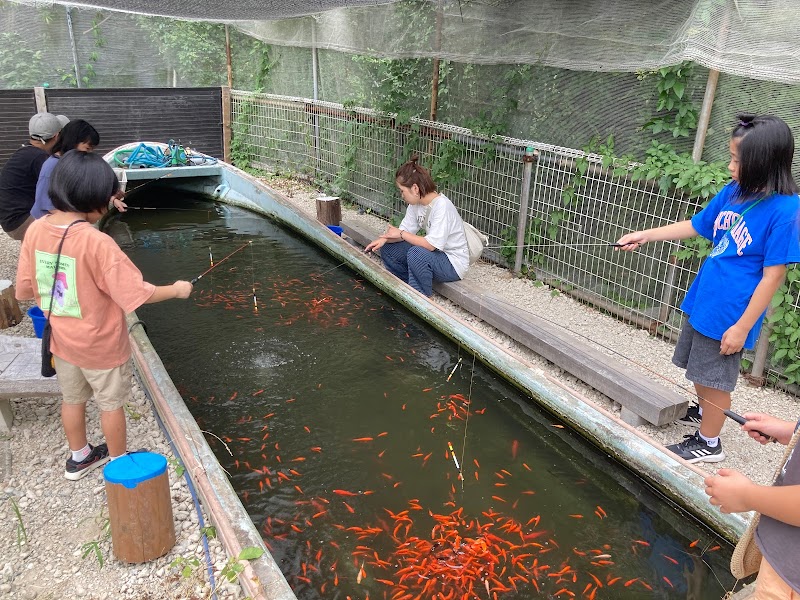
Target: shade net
559, 71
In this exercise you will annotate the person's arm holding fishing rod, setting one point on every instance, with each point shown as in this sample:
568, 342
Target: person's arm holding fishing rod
178, 290
675, 231
734, 492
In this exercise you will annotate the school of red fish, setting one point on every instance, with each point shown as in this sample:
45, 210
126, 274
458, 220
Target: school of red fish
414, 552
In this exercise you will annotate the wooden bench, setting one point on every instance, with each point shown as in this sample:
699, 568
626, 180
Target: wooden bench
20, 374
642, 399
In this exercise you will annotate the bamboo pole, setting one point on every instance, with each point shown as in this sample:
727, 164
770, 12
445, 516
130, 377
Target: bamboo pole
228, 56
705, 115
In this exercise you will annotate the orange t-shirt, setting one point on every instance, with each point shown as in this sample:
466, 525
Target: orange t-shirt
96, 285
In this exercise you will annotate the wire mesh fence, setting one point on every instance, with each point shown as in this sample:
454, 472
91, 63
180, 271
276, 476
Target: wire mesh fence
354, 152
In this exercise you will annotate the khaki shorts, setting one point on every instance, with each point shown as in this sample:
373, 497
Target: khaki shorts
111, 388
771, 586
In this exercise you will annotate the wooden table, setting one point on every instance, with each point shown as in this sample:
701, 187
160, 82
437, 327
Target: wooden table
20, 374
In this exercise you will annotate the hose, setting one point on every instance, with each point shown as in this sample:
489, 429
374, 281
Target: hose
193, 492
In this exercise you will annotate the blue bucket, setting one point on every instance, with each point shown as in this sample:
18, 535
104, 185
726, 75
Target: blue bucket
39, 320
336, 229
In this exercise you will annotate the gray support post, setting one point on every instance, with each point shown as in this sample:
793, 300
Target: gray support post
705, 115
522, 220
761, 351
74, 48
669, 287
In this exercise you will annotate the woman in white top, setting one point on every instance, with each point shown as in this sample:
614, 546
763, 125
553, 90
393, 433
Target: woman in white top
442, 253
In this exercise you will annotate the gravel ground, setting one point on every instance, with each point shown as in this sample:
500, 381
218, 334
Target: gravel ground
60, 517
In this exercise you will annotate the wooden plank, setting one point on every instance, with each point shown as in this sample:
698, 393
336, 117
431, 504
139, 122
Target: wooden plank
20, 374
638, 394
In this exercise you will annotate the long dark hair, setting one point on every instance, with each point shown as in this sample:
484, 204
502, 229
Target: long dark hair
82, 182
766, 150
411, 173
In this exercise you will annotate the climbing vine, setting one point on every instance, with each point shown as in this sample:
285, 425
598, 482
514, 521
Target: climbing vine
20, 65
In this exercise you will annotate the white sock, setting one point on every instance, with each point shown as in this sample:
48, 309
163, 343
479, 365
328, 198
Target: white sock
110, 458
82, 454
712, 442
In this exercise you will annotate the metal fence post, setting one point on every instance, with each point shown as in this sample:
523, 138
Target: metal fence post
315, 79
522, 220
761, 351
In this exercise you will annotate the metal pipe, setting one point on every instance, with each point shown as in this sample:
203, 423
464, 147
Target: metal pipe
74, 48
315, 80
669, 287
762, 350
522, 219
437, 47
705, 115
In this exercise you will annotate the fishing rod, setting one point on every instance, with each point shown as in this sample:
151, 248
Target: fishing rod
727, 412
214, 266
560, 245
205, 210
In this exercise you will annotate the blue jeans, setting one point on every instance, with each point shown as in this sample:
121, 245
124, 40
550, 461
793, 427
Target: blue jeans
417, 266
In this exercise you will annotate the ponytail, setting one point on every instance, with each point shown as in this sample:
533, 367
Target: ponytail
411, 173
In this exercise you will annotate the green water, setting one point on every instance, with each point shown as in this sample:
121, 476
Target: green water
330, 385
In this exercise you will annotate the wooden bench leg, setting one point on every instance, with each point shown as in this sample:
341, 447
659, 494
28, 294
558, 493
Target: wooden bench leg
631, 418
6, 415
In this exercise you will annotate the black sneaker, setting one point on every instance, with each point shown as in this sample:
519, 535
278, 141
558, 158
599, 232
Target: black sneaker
692, 418
97, 457
694, 449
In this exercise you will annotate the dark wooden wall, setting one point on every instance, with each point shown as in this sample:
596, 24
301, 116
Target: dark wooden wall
191, 116
16, 109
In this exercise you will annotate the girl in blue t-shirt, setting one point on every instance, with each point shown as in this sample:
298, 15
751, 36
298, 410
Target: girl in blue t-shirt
753, 227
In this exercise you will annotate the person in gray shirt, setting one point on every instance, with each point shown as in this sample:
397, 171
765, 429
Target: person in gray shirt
778, 531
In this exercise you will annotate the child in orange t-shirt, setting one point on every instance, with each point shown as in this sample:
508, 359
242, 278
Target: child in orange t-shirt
96, 284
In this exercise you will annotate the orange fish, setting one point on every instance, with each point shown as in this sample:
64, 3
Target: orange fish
514, 449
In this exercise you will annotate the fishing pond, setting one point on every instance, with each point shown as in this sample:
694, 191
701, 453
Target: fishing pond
334, 410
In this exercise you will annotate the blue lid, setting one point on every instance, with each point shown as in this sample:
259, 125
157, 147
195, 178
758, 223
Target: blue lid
131, 469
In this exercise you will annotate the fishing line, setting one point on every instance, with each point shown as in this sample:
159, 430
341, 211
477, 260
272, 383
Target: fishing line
469, 406
199, 277
146, 183
333, 269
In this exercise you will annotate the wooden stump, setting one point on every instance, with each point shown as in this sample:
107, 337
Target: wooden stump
10, 313
139, 508
329, 210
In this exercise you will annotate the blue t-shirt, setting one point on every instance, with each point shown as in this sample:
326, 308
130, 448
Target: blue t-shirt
768, 235
43, 205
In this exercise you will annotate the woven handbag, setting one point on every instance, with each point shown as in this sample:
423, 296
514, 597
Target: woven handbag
746, 558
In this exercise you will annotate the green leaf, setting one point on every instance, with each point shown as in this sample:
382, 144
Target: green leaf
250, 553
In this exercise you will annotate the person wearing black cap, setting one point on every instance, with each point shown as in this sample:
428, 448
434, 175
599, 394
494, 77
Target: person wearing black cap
21, 172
